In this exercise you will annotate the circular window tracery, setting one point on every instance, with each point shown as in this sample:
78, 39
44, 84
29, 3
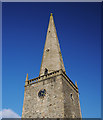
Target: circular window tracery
42, 93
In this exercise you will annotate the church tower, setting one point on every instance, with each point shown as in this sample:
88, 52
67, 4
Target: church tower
52, 94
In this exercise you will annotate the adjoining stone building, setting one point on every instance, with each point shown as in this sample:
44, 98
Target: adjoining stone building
52, 94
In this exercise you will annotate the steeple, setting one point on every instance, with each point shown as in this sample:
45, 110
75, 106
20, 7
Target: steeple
44, 93
52, 58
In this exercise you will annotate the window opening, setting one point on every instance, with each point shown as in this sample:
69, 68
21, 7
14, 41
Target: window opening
71, 96
47, 50
46, 71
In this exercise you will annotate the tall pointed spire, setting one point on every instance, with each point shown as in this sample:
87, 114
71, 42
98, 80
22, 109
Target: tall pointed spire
52, 58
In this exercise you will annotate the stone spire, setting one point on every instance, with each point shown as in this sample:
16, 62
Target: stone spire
52, 57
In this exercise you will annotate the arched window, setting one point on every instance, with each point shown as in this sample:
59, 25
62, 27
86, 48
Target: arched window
46, 71
71, 95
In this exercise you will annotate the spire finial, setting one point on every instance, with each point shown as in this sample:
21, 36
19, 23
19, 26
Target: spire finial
51, 14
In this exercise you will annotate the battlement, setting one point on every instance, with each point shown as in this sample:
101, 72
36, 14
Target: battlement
40, 78
49, 75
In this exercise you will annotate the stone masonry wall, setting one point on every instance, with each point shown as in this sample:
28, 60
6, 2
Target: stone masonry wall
51, 106
71, 101
60, 100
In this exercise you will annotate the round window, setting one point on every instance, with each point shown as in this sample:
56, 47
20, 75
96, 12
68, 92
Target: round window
42, 93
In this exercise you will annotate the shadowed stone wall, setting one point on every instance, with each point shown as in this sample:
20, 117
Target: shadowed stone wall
71, 101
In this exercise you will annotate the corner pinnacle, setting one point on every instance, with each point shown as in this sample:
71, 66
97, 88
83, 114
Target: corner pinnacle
76, 84
27, 77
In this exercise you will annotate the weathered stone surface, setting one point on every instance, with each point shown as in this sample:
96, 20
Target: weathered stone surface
50, 105
71, 103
